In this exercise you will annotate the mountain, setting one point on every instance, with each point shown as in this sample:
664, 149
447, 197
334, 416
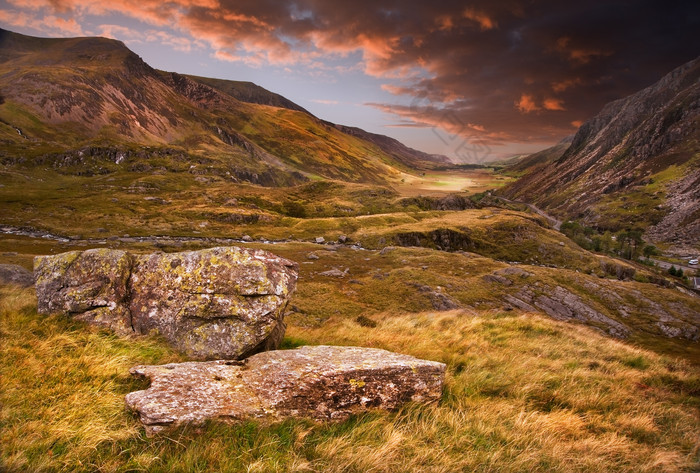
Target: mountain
636, 165
61, 96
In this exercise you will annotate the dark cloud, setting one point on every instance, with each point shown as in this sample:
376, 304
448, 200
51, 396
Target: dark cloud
492, 72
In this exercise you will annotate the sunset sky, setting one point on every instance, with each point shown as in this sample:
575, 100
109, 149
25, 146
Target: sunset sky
473, 80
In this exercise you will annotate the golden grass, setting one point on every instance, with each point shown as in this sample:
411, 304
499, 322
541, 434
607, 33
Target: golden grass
62, 386
523, 393
440, 183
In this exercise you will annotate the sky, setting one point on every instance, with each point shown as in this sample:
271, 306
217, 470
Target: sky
474, 80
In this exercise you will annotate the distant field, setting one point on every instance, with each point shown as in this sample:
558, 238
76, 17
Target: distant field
437, 183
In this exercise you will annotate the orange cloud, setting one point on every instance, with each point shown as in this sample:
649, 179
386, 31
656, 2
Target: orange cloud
578, 55
444, 23
526, 104
118, 31
565, 84
553, 104
484, 21
56, 25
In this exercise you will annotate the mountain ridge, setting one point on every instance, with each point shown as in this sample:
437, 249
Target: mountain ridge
634, 165
66, 93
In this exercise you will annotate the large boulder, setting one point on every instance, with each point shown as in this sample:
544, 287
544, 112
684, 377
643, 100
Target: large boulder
319, 382
89, 285
15, 274
217, 303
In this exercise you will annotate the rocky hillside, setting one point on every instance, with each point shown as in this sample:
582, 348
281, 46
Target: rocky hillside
635, 165
59, 96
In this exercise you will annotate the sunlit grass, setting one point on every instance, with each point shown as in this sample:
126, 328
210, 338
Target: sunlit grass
522, 394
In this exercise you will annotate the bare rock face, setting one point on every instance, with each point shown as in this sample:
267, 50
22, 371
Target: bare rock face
216, 303
561, 304
320, 382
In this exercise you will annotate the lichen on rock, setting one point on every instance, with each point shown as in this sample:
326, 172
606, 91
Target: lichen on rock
318, 382
89, 285
222, 302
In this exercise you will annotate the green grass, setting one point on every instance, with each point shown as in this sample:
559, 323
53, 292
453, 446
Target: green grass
523, 394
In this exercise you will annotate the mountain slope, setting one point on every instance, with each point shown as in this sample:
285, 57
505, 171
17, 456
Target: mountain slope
408, 156
61, 95
252, 93
635, 165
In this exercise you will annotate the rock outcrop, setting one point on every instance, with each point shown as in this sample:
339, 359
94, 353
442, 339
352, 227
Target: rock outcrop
561, 304
223, 302
15, 274
319, 382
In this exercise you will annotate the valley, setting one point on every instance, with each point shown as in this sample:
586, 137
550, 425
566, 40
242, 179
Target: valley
565, 350
436, 183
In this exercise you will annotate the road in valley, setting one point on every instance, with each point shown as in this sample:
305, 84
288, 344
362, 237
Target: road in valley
556, 223
666, 265
557, 226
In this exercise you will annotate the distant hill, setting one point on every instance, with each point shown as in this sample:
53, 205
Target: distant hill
532, 162
636, 165
409, 156
58, 96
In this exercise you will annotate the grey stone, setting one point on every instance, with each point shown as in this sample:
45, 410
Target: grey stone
218, 303
441, 301
323, 383
335, 273
497, 279
513, 271
561, 304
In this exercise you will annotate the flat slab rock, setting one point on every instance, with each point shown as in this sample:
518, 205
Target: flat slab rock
318, 382
225, 302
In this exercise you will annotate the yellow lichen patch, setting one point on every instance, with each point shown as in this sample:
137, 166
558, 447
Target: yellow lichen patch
356, 383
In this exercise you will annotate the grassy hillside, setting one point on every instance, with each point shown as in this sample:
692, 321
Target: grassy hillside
172, 209
523, 394
63, 95
249, 92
